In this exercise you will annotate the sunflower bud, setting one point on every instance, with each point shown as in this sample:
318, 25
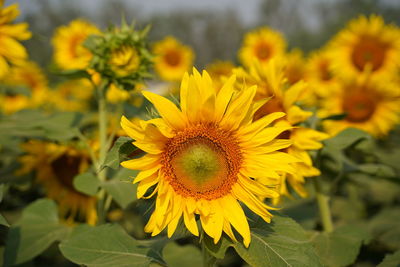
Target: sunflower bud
120, 55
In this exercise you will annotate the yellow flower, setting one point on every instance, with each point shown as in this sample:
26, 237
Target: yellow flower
72, 95
262, 45
69, 52
319, 75
207, 156
372, 105
31, 76
11, 51
172, 59
295, 70
367, 44
272, 82
56, 166
219, 71
116, 95
12, 103
124, 60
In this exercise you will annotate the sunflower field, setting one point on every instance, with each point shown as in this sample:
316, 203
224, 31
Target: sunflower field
129, 150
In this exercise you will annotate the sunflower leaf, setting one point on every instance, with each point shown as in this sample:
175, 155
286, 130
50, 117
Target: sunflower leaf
340, 247
385, 227
105, 245
120, 188
86, 183
391, 260
121, 149
36, 231
280, 243
177, 256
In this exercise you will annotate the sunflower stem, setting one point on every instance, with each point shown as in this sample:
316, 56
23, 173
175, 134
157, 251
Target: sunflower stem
101, 171
323, 205
208, 259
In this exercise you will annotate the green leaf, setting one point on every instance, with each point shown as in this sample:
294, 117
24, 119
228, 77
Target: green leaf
119, 152
122, 190
391, 260
346, 138
377, 170
3, 221
86, 183
280, 243
178, 256
34, 124
36, 231
385, 227
105, 245
340, 247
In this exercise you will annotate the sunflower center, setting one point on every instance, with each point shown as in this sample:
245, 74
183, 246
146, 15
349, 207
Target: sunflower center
202, 162
173, 58
369, 50
65, 168
262, 51
359, 107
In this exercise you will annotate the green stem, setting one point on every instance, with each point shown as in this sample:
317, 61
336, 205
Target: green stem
208, 259
102, 172
323, 204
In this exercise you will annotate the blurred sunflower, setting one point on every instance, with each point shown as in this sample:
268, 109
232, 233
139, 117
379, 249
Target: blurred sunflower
172, 59
69, 52
11, 51
55, 167
12, 103
124, 60
319, 75
272, 82
72, 95
115, 95
205, 157
295, 70
219, 71
372, 105
262, 45
367, 44
31, 76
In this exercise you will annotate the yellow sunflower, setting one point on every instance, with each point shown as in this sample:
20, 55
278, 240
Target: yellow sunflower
31, 76
207, 156
172, 59
319, 75
72, 95
124, 60
12, 103
262, 45
69, 52
370, 104
219, 71
272, 82
55, 167
295, 71
11, 51
367, 44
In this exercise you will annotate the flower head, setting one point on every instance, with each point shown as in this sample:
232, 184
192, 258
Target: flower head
206, 156
261, 45
172, 58
367, 44
69, 52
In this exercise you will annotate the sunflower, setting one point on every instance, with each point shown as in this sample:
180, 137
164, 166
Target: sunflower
294, 70
262, 45
219, 71
11, 51
115, 95
272, 82
319, 75
124, 60
370, 104
367, 44
31, 76
69, 52
172, 59
206, 156
72, 95
56, 166
12, 103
